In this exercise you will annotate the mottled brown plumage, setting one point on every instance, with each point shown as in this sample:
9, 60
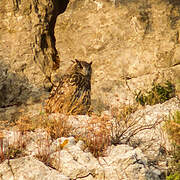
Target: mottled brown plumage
72, 95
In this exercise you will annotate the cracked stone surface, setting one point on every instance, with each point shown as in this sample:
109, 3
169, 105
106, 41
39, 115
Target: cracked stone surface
28, 168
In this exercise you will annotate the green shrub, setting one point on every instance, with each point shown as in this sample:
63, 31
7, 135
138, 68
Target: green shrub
158, 94
175, 176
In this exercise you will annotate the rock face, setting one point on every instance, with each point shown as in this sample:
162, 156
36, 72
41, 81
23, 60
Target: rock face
27, 168
27, 48
131, 44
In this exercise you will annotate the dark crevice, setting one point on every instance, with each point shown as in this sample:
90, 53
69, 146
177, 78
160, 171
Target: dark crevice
45, 52
43, 42
44, 46
174, 2
174, 16
59, 7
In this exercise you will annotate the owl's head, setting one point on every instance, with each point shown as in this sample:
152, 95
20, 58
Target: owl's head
82, 67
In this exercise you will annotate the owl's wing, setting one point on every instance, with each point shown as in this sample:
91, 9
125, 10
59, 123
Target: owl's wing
59, 96
58, 86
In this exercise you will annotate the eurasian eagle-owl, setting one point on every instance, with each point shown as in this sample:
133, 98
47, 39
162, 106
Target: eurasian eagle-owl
73, 93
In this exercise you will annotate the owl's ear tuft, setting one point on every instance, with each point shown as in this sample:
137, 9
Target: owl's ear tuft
77, 61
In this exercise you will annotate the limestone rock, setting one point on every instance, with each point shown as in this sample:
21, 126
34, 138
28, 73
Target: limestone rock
127, 160
61, 143
131, 44
124, 162
37, 143
73, 162
156, 115
27, 168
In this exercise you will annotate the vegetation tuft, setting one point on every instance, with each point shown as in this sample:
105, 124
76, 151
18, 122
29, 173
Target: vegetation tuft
12, 152
158, 94
97, 135
101, 131
120, 129
56, 127
172, 127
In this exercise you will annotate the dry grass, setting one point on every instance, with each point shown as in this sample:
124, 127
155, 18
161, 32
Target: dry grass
97, 136
100, 132
122, 124
172, 127
13, 151
56, 127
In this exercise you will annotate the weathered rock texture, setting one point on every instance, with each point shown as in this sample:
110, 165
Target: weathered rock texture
27, 52
27, 46
130, 43
27, 168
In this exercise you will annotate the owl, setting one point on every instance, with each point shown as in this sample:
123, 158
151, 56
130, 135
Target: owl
73, 93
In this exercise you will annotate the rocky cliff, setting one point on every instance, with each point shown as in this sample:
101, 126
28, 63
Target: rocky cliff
27, 48
131, 44
28, 53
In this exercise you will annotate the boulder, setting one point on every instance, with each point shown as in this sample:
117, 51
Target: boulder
27, 168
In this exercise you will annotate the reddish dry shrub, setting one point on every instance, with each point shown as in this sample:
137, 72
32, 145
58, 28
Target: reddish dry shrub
56, 127
13, 151
98, 132
97, 135
172, 127
122, 124
1, 148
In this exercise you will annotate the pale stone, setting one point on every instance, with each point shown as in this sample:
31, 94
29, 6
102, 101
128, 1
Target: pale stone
61, 143
27, 168
64, 162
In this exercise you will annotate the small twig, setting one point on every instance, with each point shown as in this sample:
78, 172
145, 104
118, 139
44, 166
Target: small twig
10, 167
139, 161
